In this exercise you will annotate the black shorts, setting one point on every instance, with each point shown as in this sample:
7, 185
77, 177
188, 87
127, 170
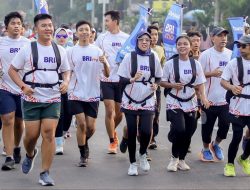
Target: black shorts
10, 102
88, 108
111, 91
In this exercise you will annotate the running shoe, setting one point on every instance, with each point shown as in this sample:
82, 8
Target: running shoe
45, 179
28, 163
124, 145
144, 165
245, 164
112, 149
133, 169
173, 164
229, 170
206, 156
182, 165
9, 164
217, 151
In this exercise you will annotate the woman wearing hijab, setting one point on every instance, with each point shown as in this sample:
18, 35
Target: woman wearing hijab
61, 38
182, 75
140, 73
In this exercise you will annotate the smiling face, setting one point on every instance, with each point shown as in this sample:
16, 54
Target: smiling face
45, 29
84, 32
183, 46
61, 37
144, 42
154, 36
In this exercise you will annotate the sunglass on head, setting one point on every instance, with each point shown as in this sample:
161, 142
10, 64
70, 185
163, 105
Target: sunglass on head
243, 46
62, 36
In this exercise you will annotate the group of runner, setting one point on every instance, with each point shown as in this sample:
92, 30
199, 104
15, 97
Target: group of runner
44, 83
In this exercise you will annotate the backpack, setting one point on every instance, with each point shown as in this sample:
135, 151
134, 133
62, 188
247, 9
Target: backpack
229, 93
134, 64
34, 52
167, 91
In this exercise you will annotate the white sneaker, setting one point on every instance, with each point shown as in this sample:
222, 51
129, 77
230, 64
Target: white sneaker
59, 150
144, 165
172, 166
182, 165
132, 171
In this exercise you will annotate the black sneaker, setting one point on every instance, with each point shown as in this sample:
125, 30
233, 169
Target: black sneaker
124, 145
17, 155
83, 162
152, 145
9, 164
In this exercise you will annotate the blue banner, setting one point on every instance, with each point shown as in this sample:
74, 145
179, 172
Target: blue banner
237, 25
130, 43
41, 6
172, 29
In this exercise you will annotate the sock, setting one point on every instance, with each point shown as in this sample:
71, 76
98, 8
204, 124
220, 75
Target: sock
206, 149
111, 140
8, 158
215, 142
82, 150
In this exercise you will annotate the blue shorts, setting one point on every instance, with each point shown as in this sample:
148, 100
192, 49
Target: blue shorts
10, 102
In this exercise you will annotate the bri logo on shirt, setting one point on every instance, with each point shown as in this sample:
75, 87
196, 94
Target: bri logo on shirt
144, 68
89, 58
14, 50
187, 71
222, 63
118, 44
49, 60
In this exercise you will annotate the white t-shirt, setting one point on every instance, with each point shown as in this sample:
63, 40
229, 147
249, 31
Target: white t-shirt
46, 60
110, 45
185, 71
8, 49
87, 69
210, 60
137, 90
238, 106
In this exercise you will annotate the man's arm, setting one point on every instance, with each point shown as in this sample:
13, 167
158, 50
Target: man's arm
13, 73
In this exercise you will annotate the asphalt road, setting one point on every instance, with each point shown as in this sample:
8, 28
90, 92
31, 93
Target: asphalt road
110, 171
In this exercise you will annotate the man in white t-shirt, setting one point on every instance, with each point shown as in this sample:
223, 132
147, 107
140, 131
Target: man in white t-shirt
10, 98
238, 71
41, 90
87, 63
213, 62
110, 42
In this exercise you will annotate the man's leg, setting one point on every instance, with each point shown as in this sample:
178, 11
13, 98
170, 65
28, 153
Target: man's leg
31, 134
18, 131
118, 114
8, 139
48, 128
110, 124
8, 132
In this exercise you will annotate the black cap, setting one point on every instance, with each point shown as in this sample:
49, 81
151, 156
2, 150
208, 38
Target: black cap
218, 30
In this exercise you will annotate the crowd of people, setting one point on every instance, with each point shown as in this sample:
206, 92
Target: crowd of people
57, 77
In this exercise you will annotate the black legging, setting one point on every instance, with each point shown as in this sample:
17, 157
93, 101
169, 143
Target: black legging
183, 125
238, 123
157, 112
65, 117
145, 129
211, 114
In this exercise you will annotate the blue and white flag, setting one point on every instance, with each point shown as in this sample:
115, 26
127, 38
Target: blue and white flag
172, 29
237, 25
41, 6
130, 43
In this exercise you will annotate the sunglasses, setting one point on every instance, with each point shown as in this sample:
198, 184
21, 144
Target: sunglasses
144, 39
243, 46
62, 36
